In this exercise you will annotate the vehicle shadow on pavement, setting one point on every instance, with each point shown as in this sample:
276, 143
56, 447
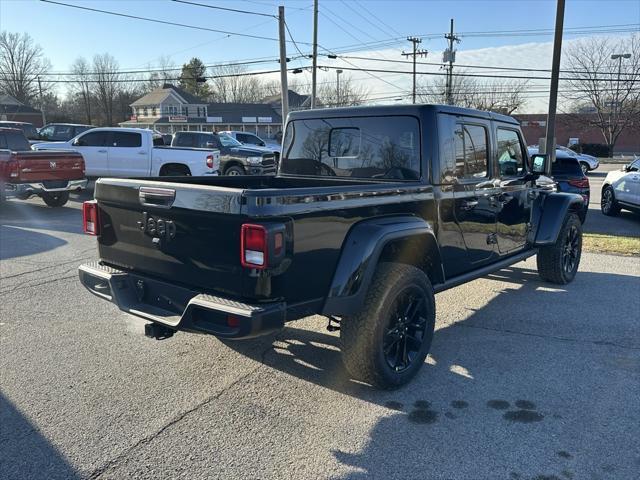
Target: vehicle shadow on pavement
19, 242
25, 452
513, 391
21, 214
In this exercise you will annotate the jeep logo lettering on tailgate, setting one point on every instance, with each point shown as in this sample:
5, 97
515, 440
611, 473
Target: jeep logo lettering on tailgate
156, 227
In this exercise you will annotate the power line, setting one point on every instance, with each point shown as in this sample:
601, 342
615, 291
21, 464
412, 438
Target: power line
377, 70
515, 69
225, 8
165, 22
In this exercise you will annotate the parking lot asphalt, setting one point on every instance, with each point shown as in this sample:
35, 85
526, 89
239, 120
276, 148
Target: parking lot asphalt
626, 223
525, 380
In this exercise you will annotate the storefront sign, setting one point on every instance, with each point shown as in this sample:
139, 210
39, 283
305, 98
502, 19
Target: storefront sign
248, 119
177, 118
265, 120
214, 119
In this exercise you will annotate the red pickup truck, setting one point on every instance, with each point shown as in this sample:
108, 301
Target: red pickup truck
49, 174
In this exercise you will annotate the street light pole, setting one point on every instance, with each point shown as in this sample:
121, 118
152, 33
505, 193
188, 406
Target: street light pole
619, 57
338, 72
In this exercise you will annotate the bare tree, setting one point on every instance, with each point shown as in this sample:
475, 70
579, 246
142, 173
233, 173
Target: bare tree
603, 86
164, 73
21, 63
470, 92
81, 88
106, 84
349, 93
230, 83
272, 88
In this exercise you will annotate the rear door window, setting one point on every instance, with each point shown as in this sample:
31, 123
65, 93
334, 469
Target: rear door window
3, 141
357, 147
472, 161
127, 139
62, 133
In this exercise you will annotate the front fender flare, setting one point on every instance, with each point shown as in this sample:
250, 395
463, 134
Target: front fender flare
360, 255
550, 216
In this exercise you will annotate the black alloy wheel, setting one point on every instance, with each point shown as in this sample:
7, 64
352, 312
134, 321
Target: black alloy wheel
571, 250
406, 330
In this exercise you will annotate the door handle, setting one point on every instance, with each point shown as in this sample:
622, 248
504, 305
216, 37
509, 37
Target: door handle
469, 204
102, 151
142, 153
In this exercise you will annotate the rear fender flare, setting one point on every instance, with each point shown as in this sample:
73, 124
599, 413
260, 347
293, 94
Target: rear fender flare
361, 253
549, 214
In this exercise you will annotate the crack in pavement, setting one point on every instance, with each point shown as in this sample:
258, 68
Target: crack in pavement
50, 280
48, 267
115, 461
539, 335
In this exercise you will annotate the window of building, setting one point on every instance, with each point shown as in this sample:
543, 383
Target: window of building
145, 112
154, 111
185, 110
471, 151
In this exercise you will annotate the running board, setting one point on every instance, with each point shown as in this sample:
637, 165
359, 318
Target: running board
481, 272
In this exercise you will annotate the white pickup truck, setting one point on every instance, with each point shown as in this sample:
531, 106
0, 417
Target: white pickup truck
133, 152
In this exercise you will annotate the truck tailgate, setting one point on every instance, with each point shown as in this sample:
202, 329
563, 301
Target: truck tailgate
40, 166
186, 234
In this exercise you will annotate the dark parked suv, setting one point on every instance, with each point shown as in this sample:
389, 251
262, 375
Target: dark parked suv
235, 158
373, 211
61, 132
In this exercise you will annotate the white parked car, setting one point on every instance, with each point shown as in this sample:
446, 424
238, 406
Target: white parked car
132, 152
621, 189
253, 140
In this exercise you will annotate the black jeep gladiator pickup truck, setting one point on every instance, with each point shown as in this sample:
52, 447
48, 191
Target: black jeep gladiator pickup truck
373, 210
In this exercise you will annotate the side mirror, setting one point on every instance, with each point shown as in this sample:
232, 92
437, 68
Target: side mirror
209, 145
539, 163
630, 168
261, 144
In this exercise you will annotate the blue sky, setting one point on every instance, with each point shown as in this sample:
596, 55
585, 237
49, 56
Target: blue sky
66, 33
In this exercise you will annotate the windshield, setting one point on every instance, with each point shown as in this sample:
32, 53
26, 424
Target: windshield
356, 147
229, 141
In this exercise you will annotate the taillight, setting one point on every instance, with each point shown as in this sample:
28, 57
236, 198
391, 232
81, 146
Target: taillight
13, 168
253, 246
213, 161
262, 246
91, 217
580, 183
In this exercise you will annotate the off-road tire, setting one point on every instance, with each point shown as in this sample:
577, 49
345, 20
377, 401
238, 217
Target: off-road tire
552, 260
608, 204
235, 170
55, 199
362, 335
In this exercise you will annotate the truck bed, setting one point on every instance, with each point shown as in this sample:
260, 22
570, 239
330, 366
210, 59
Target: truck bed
208, 212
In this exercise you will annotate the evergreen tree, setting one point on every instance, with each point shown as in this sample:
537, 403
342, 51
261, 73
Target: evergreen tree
192, 78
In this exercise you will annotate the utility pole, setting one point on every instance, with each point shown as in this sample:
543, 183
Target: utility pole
450, 57
283, 66
338, 99
315, 54
415, 54
550, 142
44, 119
